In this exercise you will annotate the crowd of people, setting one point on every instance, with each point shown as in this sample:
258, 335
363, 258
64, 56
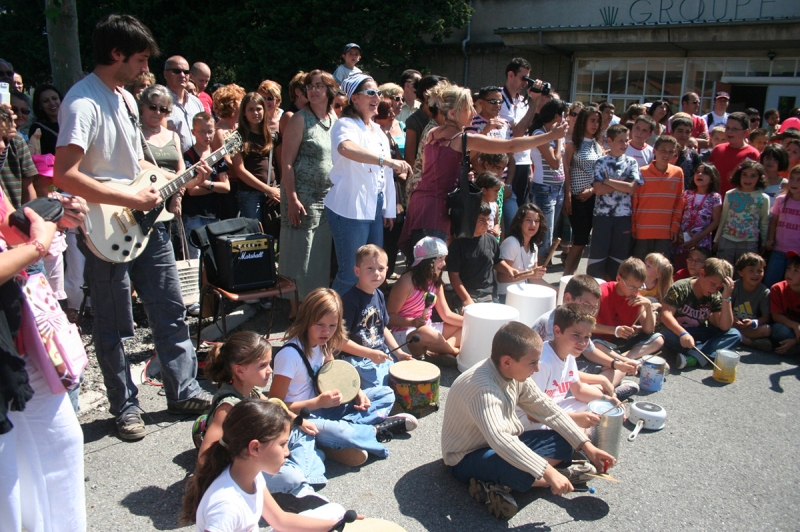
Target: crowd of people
692, 223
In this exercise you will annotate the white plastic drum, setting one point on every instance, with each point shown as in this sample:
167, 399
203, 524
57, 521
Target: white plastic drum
481, 322
562, 284
531, 300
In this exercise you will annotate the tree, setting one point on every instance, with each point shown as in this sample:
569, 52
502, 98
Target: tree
247, 41
62, 39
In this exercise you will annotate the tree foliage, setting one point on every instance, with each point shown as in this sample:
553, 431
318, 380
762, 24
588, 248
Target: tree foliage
246, 41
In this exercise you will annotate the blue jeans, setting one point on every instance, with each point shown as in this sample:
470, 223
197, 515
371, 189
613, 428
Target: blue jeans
549, 198
776, 268
781, 332
510, 208
251, 204
708, 339
156, 279
305, 465
350, 234
486, 465
371, 374
194, 222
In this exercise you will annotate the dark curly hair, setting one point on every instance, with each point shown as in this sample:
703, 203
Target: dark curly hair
515, 229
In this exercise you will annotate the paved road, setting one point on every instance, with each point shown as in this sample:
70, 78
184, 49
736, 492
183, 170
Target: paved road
726, 460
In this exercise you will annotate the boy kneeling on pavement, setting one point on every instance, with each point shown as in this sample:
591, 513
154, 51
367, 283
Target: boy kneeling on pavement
695, 316
483, 441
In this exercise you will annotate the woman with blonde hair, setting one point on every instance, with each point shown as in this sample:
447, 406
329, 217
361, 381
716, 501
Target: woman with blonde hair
271, 92
441, 160
140, 83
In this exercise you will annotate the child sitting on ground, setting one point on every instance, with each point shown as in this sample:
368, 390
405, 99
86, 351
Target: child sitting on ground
597, 365
695, 314
626, 321
784, 304
520, 249
694, 263
367, 322
227, 490
484, 443
347, 431
616, 177
751, 303
657, 280
558, 374
413, 298
473, 261
350, 56
241, 369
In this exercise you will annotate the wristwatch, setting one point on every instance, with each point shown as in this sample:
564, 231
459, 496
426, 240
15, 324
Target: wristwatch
727, 299
210, 185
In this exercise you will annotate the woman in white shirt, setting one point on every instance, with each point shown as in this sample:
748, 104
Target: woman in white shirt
362, 200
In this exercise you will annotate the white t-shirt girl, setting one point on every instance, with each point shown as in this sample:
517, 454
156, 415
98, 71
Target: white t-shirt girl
521, 259
225, 507
289, 364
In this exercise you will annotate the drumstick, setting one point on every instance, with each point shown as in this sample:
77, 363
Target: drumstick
614, 407
413, 340
552, 252
707, 358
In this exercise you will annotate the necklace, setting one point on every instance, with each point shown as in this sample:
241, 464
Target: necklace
319, 120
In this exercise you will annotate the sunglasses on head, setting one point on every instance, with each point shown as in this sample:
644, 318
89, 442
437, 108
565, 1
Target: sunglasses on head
371, 92
179, 71
159, 109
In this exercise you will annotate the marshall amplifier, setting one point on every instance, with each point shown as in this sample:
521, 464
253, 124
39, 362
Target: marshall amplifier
245, 262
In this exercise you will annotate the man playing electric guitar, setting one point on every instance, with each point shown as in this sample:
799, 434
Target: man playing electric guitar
98, 141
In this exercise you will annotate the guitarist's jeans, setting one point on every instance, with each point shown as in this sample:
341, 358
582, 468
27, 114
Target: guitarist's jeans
155, 278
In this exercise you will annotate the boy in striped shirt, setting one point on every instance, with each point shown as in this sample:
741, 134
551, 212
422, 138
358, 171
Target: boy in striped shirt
658, 203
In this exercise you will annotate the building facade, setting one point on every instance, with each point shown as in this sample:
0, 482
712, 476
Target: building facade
636, 51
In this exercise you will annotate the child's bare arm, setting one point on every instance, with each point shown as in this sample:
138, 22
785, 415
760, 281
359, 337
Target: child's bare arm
586, 393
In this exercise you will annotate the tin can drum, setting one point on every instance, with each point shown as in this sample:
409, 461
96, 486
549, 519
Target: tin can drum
608, 431
531, 300
562, 284
481, 322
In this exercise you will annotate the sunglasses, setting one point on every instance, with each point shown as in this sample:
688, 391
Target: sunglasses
494, 101
696, 102
7, 73
179, 71
755, 119
269, 99
337, 106
399, 99
158, 109
573, 114
18, 111
371, 92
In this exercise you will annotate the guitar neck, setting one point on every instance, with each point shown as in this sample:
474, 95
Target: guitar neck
176, 184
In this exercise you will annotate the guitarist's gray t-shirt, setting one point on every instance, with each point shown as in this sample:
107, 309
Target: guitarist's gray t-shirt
95, 118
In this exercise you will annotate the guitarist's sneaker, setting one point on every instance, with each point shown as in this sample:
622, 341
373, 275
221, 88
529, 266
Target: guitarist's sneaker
193, 405
130, 426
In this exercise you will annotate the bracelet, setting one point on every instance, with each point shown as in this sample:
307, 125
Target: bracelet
613, 363
683, 334
39, 247
616, 329
754, 324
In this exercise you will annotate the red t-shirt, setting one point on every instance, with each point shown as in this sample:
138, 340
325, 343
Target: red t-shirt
784, 300
614, 309
683, 273
206, 100
726, 159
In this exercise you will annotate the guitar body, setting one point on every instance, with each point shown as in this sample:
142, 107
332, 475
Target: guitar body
119, 234
115, 233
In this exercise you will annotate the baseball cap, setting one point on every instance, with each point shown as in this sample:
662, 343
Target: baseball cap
44, 164
789, 254
790, 123
722, 94
429, 247
350, 45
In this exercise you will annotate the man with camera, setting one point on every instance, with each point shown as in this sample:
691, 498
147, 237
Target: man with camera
522, 98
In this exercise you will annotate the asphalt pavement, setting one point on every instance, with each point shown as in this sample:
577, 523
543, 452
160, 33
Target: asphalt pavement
726, 460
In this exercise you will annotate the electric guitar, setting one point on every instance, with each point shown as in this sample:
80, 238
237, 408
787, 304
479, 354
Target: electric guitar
119, 234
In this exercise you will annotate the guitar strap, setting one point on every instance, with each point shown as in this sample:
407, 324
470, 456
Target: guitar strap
138, 128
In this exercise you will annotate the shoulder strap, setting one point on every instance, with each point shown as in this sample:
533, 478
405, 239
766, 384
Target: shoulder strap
303, 357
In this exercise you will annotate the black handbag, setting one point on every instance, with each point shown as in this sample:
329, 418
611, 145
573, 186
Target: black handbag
463, 204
